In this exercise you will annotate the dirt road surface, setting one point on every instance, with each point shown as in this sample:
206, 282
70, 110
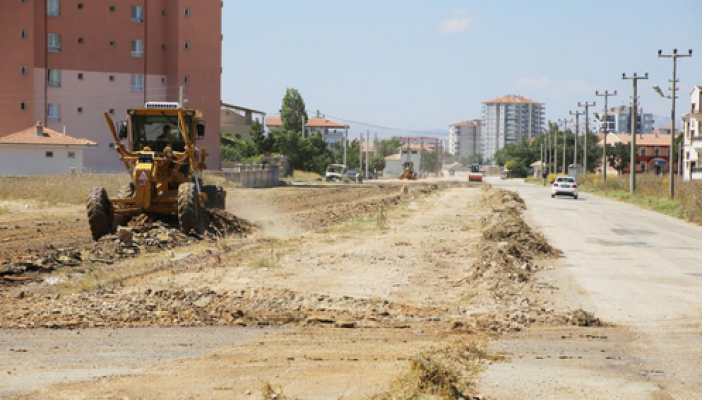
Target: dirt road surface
637, 269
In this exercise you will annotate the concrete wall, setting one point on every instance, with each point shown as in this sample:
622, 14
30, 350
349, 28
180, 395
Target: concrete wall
32, 160
253, 175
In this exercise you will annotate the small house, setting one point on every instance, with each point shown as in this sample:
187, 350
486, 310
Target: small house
41, 151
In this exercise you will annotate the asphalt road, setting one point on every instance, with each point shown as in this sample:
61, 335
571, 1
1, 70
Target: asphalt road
637, 269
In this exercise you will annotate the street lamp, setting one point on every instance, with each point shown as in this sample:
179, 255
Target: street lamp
674, 82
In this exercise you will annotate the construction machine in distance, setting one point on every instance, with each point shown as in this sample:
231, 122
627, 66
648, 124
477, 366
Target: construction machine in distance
165, 166
409, 173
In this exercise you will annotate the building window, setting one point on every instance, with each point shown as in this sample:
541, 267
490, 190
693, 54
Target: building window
643, 151
54, 42
163, 13
113, 44
138, 14
113, 8
49, 154
23, 1
80, 110
163, 47
23, 70
80, 40
643, 166
53, 8
112, 78
187, 46
137, 83
656, 152
54, 112
187, 11
80, 76
186, 80
112, 111
71, 154
80, 6
111, 145
137, 48
23, 106
54, 78
163, 80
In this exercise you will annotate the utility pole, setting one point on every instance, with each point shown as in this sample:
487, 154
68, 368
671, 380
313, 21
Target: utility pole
555, 151
587, 131
346, 139
634, 122
606, 96
565, 128
674, 88
360, 155
367, 152
577, 130
304, 134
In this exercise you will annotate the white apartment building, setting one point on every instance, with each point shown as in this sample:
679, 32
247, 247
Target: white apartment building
465, 138
692, 139
619, 121
507, 120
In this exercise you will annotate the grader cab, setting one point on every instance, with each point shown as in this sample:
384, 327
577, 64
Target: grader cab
157, 145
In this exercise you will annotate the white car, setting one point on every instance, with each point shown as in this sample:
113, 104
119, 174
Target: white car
566, 186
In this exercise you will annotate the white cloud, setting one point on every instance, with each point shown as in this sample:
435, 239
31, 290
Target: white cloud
454, 25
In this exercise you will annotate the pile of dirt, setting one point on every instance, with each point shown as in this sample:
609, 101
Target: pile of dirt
205, 307
143, 235
508, 244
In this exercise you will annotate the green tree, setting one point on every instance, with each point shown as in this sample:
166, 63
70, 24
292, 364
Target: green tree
263, 143
618, 156
429, 162
238, 150
293, 111
516, 167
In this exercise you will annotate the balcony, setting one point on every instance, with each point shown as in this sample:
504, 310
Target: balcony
696, 173
696, 142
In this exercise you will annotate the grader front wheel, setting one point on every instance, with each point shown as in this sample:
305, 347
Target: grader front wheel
189, 211
100, 213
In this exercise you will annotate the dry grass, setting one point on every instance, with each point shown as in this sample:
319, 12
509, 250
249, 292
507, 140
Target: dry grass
652, 193
302, 176
59, 189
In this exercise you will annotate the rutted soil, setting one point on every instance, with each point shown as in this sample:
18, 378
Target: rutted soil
379, 275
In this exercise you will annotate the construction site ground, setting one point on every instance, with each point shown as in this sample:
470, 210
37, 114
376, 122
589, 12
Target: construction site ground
331, 291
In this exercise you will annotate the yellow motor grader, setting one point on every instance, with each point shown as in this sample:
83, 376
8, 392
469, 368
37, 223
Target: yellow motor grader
165, 165
409, 173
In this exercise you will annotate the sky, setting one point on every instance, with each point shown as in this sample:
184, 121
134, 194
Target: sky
418, 66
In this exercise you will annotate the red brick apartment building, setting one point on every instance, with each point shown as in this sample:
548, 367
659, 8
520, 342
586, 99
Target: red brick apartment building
66, 62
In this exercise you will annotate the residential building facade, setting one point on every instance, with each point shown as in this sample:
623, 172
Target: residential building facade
652, 152
692, 137
465, 138
619, 121
332, 132
66, 62
508, 119
237, 121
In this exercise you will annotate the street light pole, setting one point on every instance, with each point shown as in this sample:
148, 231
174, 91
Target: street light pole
674, 88
634, 122
587, 131
577, 130
606, 96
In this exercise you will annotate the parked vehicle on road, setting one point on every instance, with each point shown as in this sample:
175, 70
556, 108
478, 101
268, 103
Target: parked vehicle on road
565, 186
335, 172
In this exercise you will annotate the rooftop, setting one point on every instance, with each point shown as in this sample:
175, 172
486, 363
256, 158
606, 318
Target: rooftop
276, 122
465, 123
41, 136
512, 98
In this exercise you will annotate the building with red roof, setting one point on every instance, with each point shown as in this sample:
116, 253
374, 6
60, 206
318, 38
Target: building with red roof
41, 151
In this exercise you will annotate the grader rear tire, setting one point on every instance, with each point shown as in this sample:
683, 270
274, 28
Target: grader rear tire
100, 214
189, 212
